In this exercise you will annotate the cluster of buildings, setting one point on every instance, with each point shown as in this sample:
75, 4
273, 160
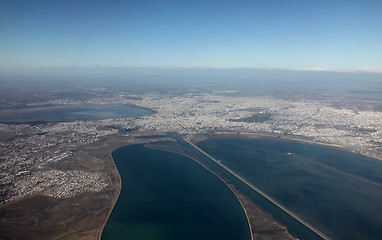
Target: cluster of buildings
27, 151
60, 184
319, 121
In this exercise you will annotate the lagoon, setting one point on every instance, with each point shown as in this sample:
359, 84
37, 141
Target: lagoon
74, 112
168, 196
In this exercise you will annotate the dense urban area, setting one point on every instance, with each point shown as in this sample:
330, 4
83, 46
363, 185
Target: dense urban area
29, 150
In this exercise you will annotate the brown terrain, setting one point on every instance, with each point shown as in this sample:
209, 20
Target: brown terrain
80, 217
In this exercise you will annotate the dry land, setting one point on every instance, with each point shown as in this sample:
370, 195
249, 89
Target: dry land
263, 225
82, 216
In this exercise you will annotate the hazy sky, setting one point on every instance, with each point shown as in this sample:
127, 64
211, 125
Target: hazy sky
224, 34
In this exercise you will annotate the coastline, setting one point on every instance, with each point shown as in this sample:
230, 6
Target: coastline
73, 212
231, 188
111, 144
116, 198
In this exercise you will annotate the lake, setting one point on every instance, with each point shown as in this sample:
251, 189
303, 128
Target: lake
74, 112
169, 196
337, 192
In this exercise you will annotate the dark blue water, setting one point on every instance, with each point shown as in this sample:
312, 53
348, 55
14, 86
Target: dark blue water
296, 228
169, 196
75, 112
341, 205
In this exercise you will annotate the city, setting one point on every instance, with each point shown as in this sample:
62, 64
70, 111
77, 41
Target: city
29, 151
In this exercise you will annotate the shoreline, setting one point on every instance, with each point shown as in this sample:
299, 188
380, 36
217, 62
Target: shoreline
114, 143
191, 158
116, 199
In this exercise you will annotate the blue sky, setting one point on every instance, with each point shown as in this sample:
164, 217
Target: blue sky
290, 34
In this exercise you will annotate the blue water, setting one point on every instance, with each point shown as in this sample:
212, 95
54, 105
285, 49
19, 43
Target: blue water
75, 112
320, 184
172, 197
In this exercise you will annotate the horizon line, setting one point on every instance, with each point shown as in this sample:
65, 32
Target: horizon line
100, 66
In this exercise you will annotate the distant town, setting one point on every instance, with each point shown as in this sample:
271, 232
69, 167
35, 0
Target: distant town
29, 151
